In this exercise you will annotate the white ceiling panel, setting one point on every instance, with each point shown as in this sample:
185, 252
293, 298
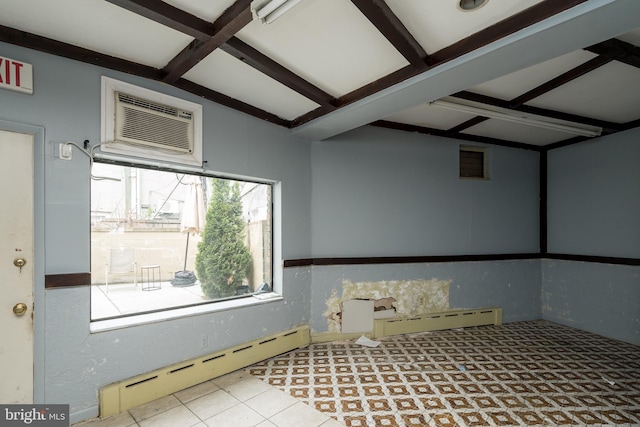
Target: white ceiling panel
515, 84
431, 117
632, 37
204, 9
328, 43
508, 131
611, 92
436, 24
225, 74
97, 25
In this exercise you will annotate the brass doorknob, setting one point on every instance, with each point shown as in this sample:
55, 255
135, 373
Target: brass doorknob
19, 262
19, 309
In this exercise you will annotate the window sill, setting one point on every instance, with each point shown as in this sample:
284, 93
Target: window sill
161, 316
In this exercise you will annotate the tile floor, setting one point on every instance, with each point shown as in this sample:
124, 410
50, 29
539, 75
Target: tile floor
519, 374
234, 400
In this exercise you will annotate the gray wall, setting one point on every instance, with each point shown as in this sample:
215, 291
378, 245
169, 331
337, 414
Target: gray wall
600, 298
379, 192
594, 209
594, 197
76, 363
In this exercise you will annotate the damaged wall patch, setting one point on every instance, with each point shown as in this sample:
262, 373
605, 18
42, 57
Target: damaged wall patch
412, 297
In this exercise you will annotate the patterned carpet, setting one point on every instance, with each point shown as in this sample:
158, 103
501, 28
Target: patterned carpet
518, 374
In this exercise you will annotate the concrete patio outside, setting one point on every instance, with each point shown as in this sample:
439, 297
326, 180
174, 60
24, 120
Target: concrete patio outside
127, 298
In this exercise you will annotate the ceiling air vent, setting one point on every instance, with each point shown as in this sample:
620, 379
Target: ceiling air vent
142, 123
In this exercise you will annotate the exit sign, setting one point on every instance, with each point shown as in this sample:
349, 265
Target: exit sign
16, 75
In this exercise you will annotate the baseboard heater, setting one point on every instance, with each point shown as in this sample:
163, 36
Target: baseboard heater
126, 394
437, 321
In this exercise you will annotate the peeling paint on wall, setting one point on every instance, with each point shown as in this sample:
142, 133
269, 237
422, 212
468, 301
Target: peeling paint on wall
412, 297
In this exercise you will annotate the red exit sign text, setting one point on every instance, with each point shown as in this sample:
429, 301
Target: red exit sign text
16, 75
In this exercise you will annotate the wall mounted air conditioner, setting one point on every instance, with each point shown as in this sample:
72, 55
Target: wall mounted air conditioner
137, 122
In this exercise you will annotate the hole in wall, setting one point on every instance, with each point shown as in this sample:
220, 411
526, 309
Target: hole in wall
405, 297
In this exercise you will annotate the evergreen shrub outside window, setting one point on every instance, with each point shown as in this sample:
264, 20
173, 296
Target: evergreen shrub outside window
223, 261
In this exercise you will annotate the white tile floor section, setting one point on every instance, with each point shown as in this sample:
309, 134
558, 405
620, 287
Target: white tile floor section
234, 400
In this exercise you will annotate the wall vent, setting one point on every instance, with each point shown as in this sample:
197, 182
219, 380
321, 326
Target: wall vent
437, 321
126, 394
142, 123
473, 162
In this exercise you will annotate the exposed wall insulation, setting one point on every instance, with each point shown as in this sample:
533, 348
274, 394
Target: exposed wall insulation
412, 297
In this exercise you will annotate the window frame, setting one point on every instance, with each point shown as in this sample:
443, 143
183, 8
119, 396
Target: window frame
210, 306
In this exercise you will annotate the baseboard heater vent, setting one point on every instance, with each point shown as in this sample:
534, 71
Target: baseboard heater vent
126, 394
437, 321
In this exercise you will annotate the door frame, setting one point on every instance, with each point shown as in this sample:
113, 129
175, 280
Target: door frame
38, 253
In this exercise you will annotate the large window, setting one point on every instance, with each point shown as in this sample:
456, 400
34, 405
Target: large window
162, 240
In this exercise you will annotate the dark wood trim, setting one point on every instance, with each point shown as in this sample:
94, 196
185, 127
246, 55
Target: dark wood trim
499, 30
226, 26
562, 79
607, 131
566, 142
595, 259
225, 100
406, 259
530, 16
309, 262
43, 44
466, 125
210, 36
618, 50
608, 127
377, 85
390, 26
631, 125
251, 56
537, 91
52, 281
543, 202
169, 16
54, 47
458, 137
302, 262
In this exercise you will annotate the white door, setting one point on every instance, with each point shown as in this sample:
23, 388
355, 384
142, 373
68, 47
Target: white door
16, 282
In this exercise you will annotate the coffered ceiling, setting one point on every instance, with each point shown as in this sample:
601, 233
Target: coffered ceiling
328, 66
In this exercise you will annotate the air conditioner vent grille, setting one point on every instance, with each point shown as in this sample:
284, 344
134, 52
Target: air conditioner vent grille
148, 123
149, 105
140, 125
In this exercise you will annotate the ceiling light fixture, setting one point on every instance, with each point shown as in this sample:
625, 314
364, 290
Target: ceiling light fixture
514, 116
269, 11
472, 4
